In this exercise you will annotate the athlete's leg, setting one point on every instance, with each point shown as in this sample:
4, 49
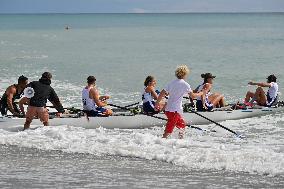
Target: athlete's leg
249, 95
43, 115
260, 96
222, 101
180, 125
170, 124
216, 99
31, 113
104, 111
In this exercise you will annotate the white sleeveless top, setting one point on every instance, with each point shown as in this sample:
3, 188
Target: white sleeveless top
273, 90
199, 88
272, 93
207, 102
88, 103
147, 97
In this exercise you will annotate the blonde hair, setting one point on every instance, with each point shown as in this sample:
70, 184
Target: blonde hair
181, 71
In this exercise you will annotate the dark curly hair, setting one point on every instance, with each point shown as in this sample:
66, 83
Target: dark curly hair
148, 80
271, 78
91, 80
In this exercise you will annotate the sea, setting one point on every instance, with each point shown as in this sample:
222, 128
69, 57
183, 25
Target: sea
121, 50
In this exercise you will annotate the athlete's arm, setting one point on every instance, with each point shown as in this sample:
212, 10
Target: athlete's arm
194, 95
53, 98
160, 97
196, 89
11, 91
206, 88
104, 98
94, 94
153, 93
260, 84
22, 102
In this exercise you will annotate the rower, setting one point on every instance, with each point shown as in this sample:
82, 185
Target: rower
150, 95
208, 101
271, 97
37, 101
93, 103
176, 90
12, 94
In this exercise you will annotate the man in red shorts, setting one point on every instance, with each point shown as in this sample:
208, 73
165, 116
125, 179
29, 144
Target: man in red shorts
176, 90
37, 104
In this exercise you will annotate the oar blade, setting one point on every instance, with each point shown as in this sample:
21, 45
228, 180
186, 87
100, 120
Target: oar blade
241, 136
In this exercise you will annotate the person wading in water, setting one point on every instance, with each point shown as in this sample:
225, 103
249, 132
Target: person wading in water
174, 110
37, 104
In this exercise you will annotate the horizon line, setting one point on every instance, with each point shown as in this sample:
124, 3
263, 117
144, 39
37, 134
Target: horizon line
218, 12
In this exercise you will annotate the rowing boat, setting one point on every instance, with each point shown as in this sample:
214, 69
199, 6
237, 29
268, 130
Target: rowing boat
126, 120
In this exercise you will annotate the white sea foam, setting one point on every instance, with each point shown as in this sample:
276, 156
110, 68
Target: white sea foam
261, 153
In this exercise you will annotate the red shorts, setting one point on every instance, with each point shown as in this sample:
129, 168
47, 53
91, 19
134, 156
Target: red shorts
39, 112
174, 119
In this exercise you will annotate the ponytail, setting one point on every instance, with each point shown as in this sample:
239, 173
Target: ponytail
204, 77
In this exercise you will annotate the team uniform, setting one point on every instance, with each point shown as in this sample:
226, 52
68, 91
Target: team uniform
89, 105
148, 103
199, 102
272, 94
174, 110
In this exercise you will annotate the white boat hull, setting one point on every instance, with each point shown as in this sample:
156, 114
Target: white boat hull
141, 121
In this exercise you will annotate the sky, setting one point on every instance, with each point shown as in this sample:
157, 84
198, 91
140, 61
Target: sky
139, 6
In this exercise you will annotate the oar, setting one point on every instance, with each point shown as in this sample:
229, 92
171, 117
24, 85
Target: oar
132, 105
218, 124
157, 117
77, 109
71, 108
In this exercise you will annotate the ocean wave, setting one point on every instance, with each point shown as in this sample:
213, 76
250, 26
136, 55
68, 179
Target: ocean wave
3, 42
7, 43
31, 57
262, 153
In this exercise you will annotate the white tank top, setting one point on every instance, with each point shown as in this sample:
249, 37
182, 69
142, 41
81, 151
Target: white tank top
147, 97
88, 103
272, 93
207, 102
199, 88
273, 90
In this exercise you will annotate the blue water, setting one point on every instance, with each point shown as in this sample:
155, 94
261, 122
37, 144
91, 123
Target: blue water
121, 50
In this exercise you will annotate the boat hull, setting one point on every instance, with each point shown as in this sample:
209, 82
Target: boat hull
141, 121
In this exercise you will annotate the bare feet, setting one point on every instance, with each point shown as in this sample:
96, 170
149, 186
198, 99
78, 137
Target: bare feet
181, 133
166, 135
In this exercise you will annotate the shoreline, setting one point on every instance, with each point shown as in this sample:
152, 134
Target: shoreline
34, 168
